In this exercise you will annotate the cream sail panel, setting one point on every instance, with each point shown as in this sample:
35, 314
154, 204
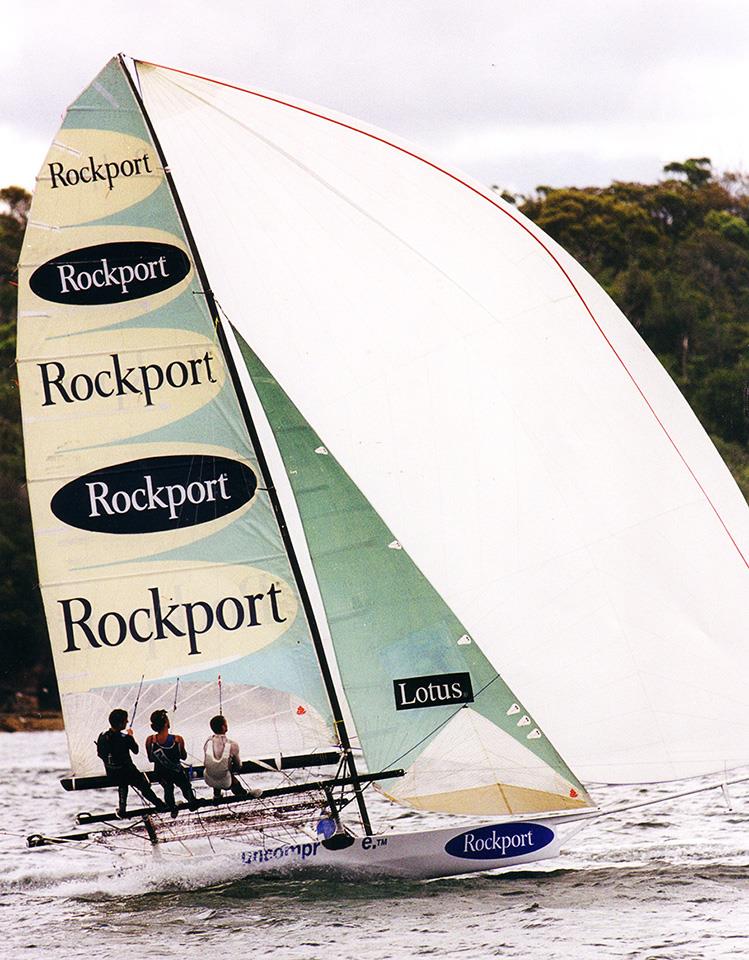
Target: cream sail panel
584, 458
144, 380
85, 278
495, 800
126, 502
470, 766
89, 174
162, 619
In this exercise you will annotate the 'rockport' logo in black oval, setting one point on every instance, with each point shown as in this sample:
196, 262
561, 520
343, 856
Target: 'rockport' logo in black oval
155, 494
110, 273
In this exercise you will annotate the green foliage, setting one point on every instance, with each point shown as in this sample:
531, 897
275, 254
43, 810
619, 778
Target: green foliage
697, 170
736, 457
729, 226
26, 660
675, 256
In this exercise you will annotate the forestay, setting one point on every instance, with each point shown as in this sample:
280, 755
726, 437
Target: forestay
497, 412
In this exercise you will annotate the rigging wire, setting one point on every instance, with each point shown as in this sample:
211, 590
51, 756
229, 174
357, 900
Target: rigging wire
439, 726
137, 699
391, 763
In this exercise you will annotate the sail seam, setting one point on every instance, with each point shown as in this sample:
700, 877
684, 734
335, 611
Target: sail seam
519, 223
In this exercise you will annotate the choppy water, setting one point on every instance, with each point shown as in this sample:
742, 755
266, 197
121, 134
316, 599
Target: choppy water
669, 882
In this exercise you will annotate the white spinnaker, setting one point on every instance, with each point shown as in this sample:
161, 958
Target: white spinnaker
497, 410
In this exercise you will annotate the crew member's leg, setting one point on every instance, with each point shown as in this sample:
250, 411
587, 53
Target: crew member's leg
236, 787
122, 797
140, 782
183, 782
168, 784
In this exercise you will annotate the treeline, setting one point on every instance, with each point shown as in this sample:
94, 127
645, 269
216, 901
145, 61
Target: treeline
26, 659
674, 255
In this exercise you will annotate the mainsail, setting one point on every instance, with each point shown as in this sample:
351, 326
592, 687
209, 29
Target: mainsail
163, 570
496, 411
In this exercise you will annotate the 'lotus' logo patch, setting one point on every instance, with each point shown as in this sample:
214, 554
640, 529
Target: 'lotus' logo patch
155, 494
110, 273
435, 690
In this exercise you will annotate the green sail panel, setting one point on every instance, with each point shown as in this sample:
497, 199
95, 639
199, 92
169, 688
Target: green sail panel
163, 571
422, 694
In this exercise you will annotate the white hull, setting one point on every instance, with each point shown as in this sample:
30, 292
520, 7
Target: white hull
428, 854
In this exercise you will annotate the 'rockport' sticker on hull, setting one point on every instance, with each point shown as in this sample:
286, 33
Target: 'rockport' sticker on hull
110, 273
499, 841
155, 494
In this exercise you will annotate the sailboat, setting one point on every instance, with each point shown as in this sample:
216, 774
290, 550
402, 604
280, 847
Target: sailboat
328, 439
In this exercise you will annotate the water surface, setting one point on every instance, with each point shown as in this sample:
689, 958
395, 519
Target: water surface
669, 882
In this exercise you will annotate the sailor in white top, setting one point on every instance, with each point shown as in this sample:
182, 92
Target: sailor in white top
222, 762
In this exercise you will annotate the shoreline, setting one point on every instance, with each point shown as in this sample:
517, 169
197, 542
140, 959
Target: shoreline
32, 721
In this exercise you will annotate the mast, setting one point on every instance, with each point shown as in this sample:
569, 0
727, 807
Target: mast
317, 641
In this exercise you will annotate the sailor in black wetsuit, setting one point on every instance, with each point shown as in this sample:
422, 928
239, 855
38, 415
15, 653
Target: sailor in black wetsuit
165, 750
114, 747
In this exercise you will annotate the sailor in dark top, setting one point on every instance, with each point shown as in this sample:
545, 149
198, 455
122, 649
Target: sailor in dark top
165, 750
114, 747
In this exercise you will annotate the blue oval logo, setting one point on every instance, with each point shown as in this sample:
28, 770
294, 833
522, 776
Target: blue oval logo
499, 841
110, 273
155, 494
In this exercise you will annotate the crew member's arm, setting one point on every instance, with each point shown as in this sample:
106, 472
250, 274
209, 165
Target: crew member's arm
234, 762
181, 745
149, 748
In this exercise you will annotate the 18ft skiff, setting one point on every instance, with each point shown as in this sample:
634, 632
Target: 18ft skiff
329, 437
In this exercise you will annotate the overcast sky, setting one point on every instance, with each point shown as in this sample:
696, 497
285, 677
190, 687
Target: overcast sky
515, 93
